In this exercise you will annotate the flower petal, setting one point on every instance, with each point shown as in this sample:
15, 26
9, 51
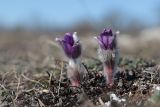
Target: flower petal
76, 51
67, 48
105, 40
69, 39
75, 37
107, 32
111, 42
100, 41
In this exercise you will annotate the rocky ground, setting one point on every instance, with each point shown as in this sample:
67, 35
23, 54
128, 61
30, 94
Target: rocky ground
137, 84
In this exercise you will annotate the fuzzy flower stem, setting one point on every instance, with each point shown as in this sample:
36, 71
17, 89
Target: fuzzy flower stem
73, 72
108, 73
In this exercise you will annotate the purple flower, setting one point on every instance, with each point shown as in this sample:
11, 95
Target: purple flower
71, 45
72, 48
106, 40
108, 54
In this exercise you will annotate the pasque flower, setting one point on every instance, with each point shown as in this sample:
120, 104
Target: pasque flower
107, 40
71, 45
108, 53
72, 49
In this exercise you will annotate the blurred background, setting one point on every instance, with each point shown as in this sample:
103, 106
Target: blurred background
28, 28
